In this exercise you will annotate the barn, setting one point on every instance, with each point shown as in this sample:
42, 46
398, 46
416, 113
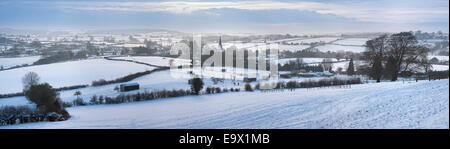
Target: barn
129, 87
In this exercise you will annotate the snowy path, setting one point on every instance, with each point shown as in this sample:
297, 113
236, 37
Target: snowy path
421, 104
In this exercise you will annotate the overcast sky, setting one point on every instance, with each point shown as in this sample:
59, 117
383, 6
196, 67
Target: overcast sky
267, 16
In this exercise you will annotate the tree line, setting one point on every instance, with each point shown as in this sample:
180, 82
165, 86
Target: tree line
389, 56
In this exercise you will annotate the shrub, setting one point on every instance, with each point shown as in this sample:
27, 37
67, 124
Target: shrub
46, 99
218, 90
78, 102
248, 87
196, 85
291, 85
208, 90
94, 100
99, 82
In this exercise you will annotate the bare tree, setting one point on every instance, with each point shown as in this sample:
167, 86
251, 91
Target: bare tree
403, 51
327, 64
374, 55
30, 79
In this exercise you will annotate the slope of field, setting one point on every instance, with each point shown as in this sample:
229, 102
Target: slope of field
15, 61
155, 60
352, 41
305, 60
440, 58
423, 104
439, 67
337, 48
292, 48
312, 40
69, 73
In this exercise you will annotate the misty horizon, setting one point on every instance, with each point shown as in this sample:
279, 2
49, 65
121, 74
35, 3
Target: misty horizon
259, 17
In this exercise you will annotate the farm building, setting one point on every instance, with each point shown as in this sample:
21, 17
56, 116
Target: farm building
129, 87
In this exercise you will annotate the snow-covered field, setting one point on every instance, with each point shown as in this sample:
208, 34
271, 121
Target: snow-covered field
69, 73
344, 65
440, 58
305, 60
11, 62
337, 48
155, 81
311, 40
439, 67
292, 48
155, 60
406, 105
352, 41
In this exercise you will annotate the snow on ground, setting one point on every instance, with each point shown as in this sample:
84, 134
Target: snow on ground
292, 48
311, 40
130, 45
305, 60
440, 58
155, 60
69, 73
405, 105
352, 41
436, 67
14, 61
344, 65
337, 48
155, 81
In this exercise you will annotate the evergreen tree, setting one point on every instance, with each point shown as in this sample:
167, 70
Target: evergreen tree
351, 68
196, 85
377, 69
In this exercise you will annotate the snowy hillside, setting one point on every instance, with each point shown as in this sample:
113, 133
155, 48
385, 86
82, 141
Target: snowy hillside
352, 41
423, 104
155, 60
17, 61
70, 73
337, 48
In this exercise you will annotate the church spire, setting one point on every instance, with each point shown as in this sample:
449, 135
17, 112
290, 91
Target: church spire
220, 43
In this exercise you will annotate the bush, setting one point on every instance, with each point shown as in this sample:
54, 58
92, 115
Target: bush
248, 87
94, 100
196, 85
218, 90
78, 102
291, 85
99, 82
46, 99
208, 90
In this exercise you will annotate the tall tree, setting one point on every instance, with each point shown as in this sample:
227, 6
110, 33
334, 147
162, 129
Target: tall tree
196, 85
403, 51
351, 68
374, 55
30, 79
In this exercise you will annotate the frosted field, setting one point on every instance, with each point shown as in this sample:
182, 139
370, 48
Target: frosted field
69, 73
11, 62
408, 105
155, 81
130, 45
311, 40
253, 46
337, 48
305, 60
439, 67
292, 48
155, 60
352, 41
344, 65
440, 58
